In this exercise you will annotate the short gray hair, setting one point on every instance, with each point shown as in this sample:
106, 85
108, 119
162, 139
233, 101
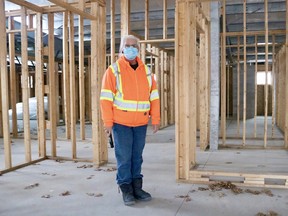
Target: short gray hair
123, 42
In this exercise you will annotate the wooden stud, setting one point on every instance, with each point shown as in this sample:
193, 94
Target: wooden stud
52, 84
81, 73
12, 73
238, 86
266, 73
286, 82
72, 84
94, 86
4, 87
161, 89
125, 17
273, 86
164, 19
165, 88
40, 87
66, 76
255, 87
112, 30
244, 74
25, 88
223, 77
146, 19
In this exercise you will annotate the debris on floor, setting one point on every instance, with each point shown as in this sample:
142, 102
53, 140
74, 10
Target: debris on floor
270, 213
59, 161
218, 186
66, 193
46, 196
110, 169
85, 166
90, 177
32, 186
95, 195
187, 198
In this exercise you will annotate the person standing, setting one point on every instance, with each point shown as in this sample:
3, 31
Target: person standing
129, 98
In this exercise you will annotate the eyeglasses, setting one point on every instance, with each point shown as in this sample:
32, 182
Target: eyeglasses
131, 45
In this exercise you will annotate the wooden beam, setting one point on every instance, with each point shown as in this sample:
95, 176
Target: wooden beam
40, 87
72, 84
146, 19
81, 73
255, 87
73, 9
253, 33
238, 87
286, 82
152, 41
164, 19
273, 86
4, 87
25, 87
12, 73
27, 5
112, 30
266, 73
125, 17
52, 84
244, 74
66, 76
223, 76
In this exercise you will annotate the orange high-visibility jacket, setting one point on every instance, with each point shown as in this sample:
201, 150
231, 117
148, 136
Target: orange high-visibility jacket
129, 97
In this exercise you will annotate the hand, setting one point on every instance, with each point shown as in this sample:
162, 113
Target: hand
108, 130
155, 128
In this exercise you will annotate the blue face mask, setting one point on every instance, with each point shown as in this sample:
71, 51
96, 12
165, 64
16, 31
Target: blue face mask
130, 53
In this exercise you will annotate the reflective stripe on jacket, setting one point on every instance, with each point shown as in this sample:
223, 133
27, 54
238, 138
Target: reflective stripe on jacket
129, 96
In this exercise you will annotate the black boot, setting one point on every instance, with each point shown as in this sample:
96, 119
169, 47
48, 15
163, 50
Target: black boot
127, 194
140, 194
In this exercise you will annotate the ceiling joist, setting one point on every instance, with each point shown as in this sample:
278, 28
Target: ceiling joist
28, 5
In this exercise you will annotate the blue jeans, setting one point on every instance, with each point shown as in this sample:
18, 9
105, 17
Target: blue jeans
129, 144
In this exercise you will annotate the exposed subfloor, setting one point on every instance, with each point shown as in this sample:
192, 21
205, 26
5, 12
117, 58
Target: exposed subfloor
68, 188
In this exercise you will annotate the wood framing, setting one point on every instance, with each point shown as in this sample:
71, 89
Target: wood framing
255, 83
112, 30
244, 74
125, 17
266, 72
286, 82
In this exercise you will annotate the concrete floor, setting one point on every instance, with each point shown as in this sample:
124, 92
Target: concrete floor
40, 189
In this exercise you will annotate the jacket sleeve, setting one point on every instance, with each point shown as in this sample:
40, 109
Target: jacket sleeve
108, 91
154, 103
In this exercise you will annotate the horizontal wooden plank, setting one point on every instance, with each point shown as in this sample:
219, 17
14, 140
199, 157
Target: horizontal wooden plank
28, 5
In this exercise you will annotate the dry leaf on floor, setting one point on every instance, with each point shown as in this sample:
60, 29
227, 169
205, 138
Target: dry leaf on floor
182, 196
95, 195
32, 186
46, 196
66, 193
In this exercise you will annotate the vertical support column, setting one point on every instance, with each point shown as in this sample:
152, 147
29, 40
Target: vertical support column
81, 72
238, 86
88, 79
255, 86
72, 84
266, 72
25, 88
172, 90
244, 74
165, 88
125, 17
215, 84
286, 82
112, 30
4, 87
161, 88
52, 86
66, 76
12, 73
146, 19
164, 19
223, 75
273, 86
40, 87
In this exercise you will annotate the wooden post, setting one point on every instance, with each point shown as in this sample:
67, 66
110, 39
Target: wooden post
81, 73
4, 87
255, 86
66, 76
89, 90
25, 88
244, 74
146, 19
286, 82
94, 85
112, 30
238, 86
266, 72
52, 86
273, 85
172, 90
72, 84
125, 17
40, 87
161, 87
223, 77
165, 88
164, 19
12, 73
